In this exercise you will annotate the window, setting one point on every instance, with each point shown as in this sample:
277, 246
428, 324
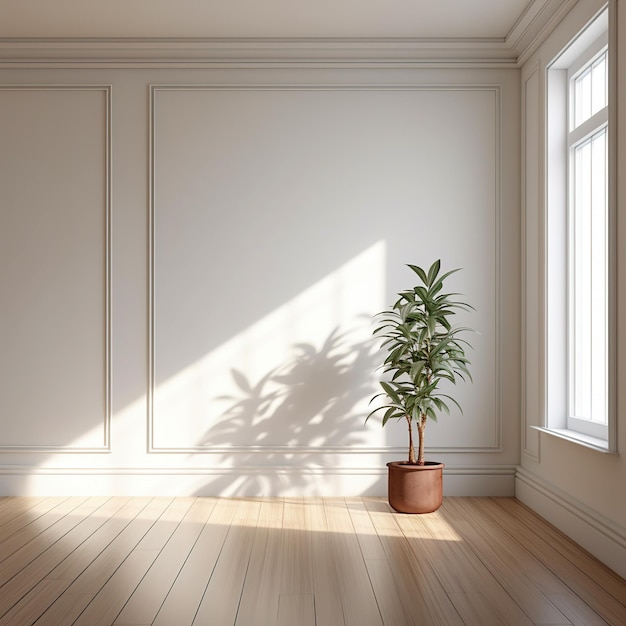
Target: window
579, 249
587, 253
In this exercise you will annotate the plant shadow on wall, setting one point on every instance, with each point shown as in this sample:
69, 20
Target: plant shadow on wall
311, 404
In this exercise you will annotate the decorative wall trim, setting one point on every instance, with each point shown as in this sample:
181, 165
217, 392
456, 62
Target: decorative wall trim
241, 481
29, 470
534, 25
318, 450
529, 449
497, 264
537, 22
497, 427
248, 52
106, 434
597, 534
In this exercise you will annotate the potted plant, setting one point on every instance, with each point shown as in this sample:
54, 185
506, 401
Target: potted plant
423, 349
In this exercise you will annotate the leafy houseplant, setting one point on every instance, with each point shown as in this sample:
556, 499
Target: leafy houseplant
423, 349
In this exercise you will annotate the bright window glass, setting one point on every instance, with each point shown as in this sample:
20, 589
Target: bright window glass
589, 285
590, 90
588, 251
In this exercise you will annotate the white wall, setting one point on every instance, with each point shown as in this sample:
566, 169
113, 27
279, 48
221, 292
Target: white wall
191, 259
578, 489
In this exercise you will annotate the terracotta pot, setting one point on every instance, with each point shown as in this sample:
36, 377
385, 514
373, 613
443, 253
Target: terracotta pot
415, 488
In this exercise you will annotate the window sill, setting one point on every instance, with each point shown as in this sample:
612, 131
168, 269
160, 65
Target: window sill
600, 445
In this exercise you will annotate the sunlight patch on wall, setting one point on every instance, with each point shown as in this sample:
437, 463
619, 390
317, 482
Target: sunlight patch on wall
300, 376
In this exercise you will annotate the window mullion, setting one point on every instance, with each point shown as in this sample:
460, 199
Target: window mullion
588, 127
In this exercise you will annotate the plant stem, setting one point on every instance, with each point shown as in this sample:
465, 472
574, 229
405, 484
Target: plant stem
421, 426
411, 447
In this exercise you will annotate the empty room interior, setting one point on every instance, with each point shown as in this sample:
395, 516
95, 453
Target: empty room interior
205, 205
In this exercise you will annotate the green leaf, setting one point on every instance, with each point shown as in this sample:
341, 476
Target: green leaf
415, 413
420, 272
389, 413
452, 400
430, 413
432, 272
431, 323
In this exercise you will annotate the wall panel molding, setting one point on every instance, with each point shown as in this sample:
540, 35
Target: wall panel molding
531, 231
494, 444
105, 436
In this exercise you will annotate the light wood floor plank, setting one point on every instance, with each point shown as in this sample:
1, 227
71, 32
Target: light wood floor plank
610, 582
109, 520
31, 542
431, 536
159, 534
296, 609
176, 546
42, 595
12, 507
28, 610
502, 559
21, 522
106, 605
260, 595
328, 604
596, 585
579, 613
294, 561
182, 602
221, 599
480, 579
135, 519
43, 554
296, 573
357, 595
533, 569
475, 609
412, 574
393, 610
371, 547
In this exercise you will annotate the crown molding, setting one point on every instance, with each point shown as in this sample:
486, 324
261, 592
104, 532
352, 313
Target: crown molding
537, 22
193, 52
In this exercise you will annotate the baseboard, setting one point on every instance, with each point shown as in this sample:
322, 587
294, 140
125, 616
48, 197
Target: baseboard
237, 481
479, 480
596, 534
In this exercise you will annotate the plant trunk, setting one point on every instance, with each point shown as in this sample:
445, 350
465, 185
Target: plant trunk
421, 426
411, 447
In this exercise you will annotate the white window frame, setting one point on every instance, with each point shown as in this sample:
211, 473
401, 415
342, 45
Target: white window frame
578, 136
558, 345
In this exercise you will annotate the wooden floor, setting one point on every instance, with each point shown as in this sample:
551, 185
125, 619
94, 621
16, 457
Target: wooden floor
296, 562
